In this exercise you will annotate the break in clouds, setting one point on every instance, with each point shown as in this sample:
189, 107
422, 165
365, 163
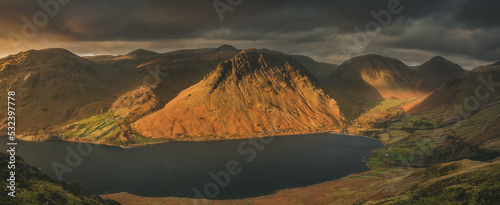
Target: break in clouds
464, 31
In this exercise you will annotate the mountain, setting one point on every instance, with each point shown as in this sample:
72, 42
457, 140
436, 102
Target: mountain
132, 55
256, 93
169, 72
175, 71
435, 73
467, 112
121, 71
57, 88
319, 70
457, 91
50, 85
489, 139
140, 53
110, 63
146, 86
372, 77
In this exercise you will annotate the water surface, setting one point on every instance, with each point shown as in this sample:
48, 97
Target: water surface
176, 168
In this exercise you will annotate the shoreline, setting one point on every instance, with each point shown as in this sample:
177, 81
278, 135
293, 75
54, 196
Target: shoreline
161, 141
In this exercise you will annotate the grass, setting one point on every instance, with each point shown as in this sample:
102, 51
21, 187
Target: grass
396, 126
397, 135
478, 186
104, 128
412, 138
477, 123
378, 172
34, 187
139, 139
386, 105
384, 137
391, 153
375, 114
418, 123
96, 128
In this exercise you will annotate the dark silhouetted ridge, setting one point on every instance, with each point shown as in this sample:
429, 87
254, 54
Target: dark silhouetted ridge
227, 48
141, 53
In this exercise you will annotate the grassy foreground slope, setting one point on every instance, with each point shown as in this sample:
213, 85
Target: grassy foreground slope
462, 182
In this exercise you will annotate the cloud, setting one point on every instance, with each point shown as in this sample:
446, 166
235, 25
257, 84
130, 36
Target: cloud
480, 13
463, 29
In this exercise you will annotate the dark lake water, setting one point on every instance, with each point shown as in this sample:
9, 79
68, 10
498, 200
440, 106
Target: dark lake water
242, 168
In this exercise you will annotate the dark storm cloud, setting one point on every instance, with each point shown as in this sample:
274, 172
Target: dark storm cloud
480, 13
468, 28
440, 32
154, 19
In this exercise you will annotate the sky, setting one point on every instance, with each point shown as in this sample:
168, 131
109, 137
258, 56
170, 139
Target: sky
466, 32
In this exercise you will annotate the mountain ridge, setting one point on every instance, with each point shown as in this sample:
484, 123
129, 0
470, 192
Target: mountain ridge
256, 92
50, 85
372, 77
435, 73
370, 80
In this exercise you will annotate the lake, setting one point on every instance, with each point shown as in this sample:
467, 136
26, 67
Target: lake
215, 169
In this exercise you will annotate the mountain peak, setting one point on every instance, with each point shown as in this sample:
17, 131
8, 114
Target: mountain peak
435, 73
253, 55
48, 51
438, 58
372, 77
141, 53
251, 61
442, 64
372, 63
227, 47
372, 59
256, 91
255, 59
262, 53
370, 56
52, 55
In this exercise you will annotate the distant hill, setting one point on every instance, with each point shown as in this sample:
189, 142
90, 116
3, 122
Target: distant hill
50, 85
256, 93
179, 70
457, 90
467, 109
435, 73
318, 69
141, 53
372, 77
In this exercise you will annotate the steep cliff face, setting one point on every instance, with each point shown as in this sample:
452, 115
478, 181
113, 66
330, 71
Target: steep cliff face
258, 92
